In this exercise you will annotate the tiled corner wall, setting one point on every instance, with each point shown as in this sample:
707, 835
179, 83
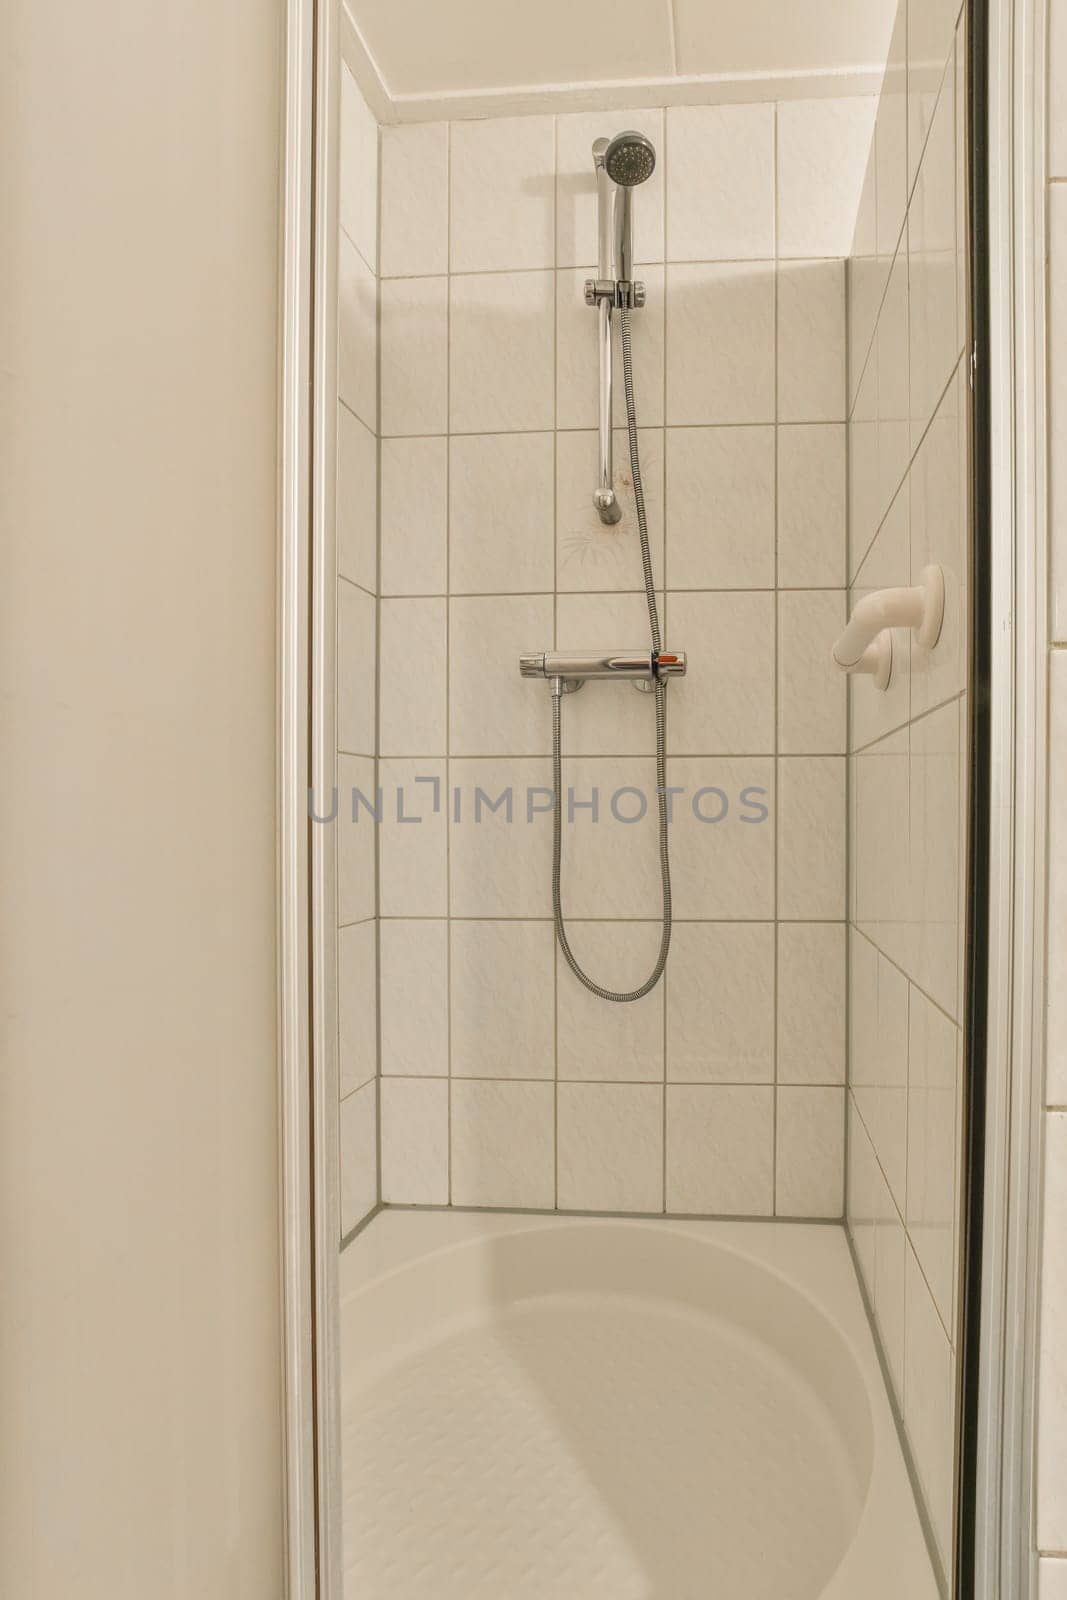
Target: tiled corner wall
504, 1083
908, 440
1051, 1529
356, 653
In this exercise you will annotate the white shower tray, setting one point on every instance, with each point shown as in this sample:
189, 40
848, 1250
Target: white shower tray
557, 1408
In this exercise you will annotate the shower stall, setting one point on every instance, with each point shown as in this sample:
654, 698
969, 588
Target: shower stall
642, 762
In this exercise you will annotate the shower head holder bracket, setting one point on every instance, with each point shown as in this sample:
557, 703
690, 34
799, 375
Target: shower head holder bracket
616, 292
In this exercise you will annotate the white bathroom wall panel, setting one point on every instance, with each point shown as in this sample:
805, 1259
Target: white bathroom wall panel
908, 747
504, 1081
360, 619
140, 1326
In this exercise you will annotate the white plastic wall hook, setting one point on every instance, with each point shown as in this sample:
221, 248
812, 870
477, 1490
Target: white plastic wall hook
877, 660
921, 607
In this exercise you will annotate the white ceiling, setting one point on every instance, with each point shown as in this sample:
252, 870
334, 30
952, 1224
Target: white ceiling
425, 50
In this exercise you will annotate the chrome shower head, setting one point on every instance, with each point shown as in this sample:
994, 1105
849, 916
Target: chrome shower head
630, 158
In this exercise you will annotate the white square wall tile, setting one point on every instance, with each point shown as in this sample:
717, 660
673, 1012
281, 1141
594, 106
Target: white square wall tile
414, 997
720, 183
720, 508
935, 853
598, 1041
502, 352
1052, 1421
589, 555
577, 341
357, 1004
412, 838
414, 493
411, 692
503, 194
357, 672
358, 181
930, 1405
358, 1152
812, 506
414, 355
725, 702
811, 341
414, 200
720, 1003
1052, 1579
812, 689
720, 1151
890, 1273
602, 720
610, 837
357, 333
822, 159
931, 29
873, 712
811, 838
503, 997
501, 490
935, 340
938, 495
722, 837
810, 1163
503, 1144
720, 343
811, 1002
357, 501
860, 1204
492, 710
576, 197
610, 1147
501, 846
878, 1067
414, 1141
892, 411
865, 507
933, 1136
355, 831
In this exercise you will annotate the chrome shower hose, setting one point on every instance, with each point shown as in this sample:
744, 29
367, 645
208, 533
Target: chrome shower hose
660, 692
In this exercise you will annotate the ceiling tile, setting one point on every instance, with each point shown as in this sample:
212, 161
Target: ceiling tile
774, 36
427, 47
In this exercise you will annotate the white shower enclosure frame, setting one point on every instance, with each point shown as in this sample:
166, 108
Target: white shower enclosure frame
1005, 1557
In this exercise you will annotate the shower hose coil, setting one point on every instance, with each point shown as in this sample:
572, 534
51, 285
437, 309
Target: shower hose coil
660, 691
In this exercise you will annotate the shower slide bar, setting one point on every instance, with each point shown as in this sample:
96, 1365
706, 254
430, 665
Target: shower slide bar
866, 645
620, 164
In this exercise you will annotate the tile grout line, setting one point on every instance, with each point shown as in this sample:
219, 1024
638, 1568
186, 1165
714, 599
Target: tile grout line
667, 280
378, 652
555, 615
777, 664
448, 648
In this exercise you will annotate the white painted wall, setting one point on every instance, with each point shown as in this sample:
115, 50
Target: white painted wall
140, 1449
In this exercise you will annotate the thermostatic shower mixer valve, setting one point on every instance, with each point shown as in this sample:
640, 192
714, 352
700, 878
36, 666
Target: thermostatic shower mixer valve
569, 669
